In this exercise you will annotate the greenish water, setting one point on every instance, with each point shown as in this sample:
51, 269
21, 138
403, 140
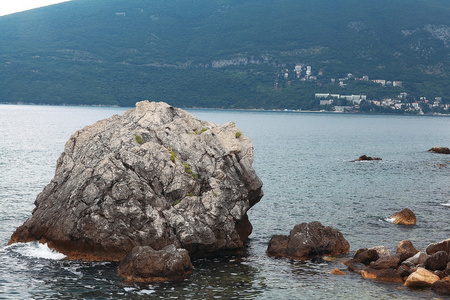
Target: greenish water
304, 160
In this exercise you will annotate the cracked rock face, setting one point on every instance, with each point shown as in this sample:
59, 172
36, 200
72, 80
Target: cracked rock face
155, 176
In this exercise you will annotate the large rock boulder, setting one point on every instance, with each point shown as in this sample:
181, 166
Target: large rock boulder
155, 176
144, 264
441, 150
308, 240
404, 217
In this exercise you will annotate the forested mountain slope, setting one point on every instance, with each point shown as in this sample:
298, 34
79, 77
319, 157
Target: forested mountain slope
221, 53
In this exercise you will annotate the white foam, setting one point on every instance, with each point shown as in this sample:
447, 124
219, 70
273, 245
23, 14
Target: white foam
145, 292
446, 204
37, 250
390, 220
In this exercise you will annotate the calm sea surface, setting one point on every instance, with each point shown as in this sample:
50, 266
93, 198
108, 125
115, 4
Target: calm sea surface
303, 160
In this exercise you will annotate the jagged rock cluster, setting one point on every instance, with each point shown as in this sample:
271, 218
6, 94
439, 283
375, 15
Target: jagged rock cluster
414, 268
156, 176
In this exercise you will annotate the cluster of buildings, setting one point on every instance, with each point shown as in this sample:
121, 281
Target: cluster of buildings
383, 82
399, 103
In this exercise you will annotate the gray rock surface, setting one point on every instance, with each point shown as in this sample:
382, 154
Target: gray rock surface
155, 176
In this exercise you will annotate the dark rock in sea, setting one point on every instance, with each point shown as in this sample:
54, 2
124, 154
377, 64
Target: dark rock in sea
365, 157
155, 176
441, 150
440, 246
441, 287
404, 217
308, 240
386, 262
437, 261
406, 246
144, 264
366, 256
387, 275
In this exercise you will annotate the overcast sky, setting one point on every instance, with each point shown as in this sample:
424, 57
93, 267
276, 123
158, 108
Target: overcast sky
12, 6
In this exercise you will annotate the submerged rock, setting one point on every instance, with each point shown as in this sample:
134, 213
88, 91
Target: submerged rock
155, 176
404, 217
387, 275
144, 264
441, 150
308, 240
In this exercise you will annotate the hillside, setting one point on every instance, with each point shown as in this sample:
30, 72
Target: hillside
221, 53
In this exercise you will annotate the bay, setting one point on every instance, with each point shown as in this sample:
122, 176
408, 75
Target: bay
304, 161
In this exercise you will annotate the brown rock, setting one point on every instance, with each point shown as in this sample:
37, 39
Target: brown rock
421, 277
406, 246
441, 150
437, 261
440, 246
387, 275
386, 262
441, 287
337, 272
366, 256
278, 245
404, 217
144, 264
309, 240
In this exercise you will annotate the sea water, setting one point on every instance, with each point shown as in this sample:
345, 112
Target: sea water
305, 161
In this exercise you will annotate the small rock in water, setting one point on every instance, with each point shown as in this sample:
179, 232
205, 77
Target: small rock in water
365, 157
441, 150
337, 272
404, 217
308, 240
144, 264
